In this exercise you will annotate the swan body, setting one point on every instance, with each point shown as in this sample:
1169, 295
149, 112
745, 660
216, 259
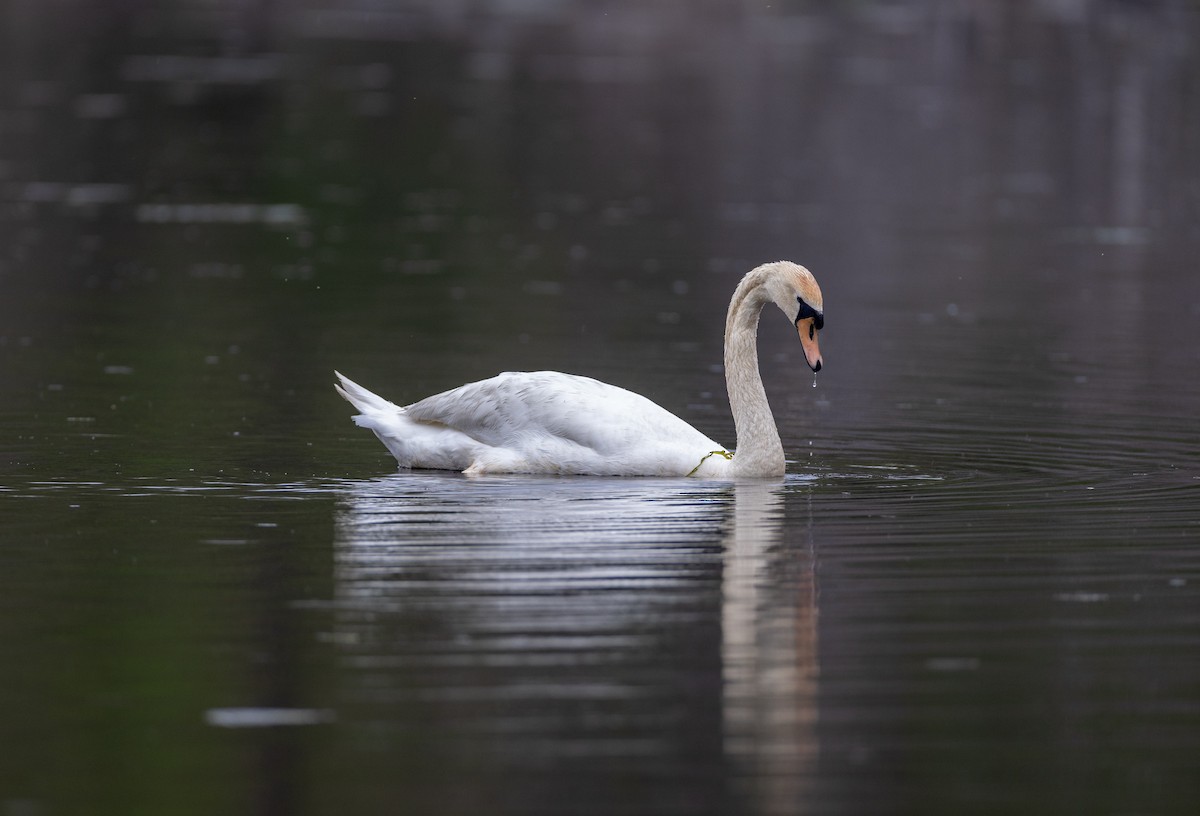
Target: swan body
549, 422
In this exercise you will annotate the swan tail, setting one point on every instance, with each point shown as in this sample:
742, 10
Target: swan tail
413, 443
365, 401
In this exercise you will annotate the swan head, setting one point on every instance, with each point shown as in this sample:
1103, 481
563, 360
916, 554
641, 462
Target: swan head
794, 290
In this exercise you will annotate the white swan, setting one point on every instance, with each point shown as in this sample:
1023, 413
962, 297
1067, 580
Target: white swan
547, 422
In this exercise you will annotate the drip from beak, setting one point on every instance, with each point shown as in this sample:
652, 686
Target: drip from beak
807, 330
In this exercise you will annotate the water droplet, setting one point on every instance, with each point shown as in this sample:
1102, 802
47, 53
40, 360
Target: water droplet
814, 380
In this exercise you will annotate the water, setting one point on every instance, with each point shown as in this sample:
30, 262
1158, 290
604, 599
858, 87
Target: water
977, 589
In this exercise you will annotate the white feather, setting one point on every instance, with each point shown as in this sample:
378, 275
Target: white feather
534, 422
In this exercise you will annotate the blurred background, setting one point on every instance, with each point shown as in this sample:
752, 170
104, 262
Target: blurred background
208, 205
231, 198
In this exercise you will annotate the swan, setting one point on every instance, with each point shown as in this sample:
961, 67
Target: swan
549, 422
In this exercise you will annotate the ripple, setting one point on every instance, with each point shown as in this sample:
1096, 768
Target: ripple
140, 487
267, 717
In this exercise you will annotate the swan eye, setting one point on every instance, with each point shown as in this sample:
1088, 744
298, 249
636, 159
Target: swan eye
809, 311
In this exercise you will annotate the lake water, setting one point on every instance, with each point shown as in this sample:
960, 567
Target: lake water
977, 590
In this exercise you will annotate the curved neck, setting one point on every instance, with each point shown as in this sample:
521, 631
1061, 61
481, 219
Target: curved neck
759, 452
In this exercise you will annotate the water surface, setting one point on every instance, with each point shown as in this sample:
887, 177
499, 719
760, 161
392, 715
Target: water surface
976, 590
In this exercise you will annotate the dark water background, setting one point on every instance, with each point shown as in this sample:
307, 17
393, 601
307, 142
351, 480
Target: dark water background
977, 590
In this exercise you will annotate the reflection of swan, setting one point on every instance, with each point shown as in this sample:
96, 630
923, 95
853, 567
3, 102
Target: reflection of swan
547, 422
502, 553
768, 653
659, 630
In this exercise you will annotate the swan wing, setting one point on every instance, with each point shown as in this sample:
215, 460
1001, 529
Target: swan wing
549, 422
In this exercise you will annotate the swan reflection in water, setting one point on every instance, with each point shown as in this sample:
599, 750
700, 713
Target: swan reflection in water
558, 635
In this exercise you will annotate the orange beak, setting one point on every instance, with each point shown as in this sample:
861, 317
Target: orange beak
806, 328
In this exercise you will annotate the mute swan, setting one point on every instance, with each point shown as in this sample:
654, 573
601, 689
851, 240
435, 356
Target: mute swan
547, 422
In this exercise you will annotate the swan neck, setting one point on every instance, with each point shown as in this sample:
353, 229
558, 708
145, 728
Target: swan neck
759, 451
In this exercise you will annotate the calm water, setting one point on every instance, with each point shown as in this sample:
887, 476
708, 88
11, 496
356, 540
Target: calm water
976, 591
